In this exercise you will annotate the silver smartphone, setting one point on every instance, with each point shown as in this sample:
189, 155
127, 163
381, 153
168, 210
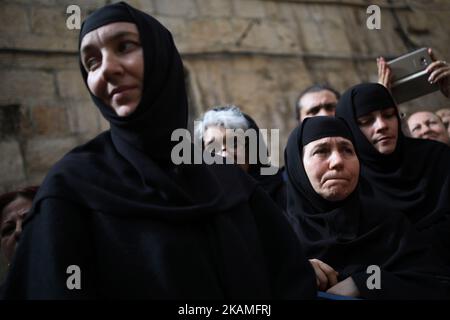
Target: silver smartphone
409, 78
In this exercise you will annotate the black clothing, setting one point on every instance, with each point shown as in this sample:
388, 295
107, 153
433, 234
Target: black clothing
274, 185
138, 226
414, 179
350, 235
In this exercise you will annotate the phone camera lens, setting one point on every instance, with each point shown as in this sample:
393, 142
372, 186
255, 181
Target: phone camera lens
423, 61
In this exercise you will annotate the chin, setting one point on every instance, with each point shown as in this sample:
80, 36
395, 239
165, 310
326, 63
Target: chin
335, 195
125, 110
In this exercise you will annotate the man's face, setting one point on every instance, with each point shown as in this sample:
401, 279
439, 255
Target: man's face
321, 103
427, 125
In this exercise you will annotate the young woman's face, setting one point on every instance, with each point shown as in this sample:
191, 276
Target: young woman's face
332, 167
113, 58
381, 129
11, 220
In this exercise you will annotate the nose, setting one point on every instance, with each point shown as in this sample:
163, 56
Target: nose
111, 67
335, 160
325, 112
380, 123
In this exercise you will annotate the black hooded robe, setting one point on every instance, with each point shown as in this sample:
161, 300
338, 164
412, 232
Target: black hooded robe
352, 234
117, 215
414, 179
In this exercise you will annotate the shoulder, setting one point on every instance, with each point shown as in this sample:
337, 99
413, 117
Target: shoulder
379, 214
419, 146
92, 151
75, 166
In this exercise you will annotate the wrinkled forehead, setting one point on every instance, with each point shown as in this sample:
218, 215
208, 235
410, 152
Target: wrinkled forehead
329, 141
312, 99
420, 117
107, 33
18, 205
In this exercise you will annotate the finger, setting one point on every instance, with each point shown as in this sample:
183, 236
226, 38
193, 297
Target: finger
431, 53
435, 65
330, 273
321, 276
438, 74
442, 76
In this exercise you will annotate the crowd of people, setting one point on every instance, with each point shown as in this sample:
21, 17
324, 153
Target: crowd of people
355, 192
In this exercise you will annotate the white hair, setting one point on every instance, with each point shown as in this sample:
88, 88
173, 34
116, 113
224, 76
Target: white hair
228, 117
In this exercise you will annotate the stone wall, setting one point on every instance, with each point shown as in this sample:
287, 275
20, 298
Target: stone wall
257, 54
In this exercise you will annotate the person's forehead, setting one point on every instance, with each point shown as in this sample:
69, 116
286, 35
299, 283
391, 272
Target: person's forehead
312, 98
422, 116
107, 32
329, 141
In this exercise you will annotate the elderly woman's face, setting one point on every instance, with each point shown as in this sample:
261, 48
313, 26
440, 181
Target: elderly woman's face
332, 167
11, 220
215, 139
381, 129
113, 58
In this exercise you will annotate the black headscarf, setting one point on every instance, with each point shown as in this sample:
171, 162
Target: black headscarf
324, 218
129, 169
138, 226
273, 184
414, 179
351, 235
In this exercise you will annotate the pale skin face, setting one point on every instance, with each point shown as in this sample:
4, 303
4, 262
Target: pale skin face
321, 103
11, 224
215, 137
113, 58
427, 125
332, 167
381, 129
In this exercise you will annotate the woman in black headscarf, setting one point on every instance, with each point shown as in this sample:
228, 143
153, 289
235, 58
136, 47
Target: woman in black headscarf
116, 219
343, 235
227, 131
405, 174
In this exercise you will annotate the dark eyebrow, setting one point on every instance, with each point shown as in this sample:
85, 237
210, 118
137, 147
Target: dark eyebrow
320, 145
113, 37
345, 144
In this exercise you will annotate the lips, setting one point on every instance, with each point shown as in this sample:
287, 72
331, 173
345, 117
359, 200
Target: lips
383, 138
327, 178
121, 89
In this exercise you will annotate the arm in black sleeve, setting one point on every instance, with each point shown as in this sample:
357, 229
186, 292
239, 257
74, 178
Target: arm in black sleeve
291, 273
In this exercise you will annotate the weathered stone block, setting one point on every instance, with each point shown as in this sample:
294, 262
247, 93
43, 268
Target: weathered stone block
214, 8
11, 162
17, 84
50, 120
185, 8
71, 85
249, 9
42, 152
13, 19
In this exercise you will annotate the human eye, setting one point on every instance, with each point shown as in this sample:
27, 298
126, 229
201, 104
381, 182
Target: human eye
321, 151
313, 111
389, 114
330, 107
127, 45
348, 150
363, 121
91, 63
7, 230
